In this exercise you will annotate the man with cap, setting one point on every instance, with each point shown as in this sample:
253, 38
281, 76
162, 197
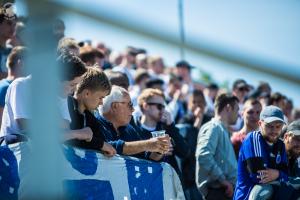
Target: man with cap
291, 140
262, 157
183, 69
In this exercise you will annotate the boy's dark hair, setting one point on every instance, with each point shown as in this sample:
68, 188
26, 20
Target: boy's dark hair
94, 80
72, 66
223, 100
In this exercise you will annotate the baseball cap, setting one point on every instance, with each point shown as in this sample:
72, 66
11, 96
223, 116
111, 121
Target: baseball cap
294, 128
184, 64
271, 113
240, 83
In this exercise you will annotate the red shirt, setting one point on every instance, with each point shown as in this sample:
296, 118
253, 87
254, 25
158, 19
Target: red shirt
237, 139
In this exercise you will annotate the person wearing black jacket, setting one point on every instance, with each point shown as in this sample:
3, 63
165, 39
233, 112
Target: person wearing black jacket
155, 117
189, 127
88, 96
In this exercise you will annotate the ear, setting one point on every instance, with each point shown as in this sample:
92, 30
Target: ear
85, 92
144, 106
260, 123
114, 106
285, 137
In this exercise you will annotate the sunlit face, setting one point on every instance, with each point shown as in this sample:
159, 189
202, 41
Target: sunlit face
7, 28
195, 102
69, 86
154, 108
173, 87
251, 114
271, 131
292, 144
123, 110
158, 66
183, 72
93, 99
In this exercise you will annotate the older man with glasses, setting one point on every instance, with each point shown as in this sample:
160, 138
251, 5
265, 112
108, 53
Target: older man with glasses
116, 114
155, 118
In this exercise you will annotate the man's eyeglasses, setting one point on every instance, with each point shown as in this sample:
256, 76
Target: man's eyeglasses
129, 104
158, 105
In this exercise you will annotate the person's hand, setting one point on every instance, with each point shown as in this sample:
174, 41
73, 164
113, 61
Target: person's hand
108, 150
198, 114
268, 175
171, 149
86, 134
228, 188
159, 144
177, 95
166, 117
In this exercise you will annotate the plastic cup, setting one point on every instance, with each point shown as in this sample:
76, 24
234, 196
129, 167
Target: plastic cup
158, 133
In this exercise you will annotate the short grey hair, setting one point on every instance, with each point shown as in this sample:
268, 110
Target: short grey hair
116, 95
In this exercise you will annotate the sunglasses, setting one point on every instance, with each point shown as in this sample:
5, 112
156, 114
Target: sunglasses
158, 105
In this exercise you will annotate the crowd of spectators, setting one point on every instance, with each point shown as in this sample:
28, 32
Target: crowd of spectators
223, 143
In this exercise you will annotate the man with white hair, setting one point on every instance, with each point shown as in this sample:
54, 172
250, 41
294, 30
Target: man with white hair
116, 114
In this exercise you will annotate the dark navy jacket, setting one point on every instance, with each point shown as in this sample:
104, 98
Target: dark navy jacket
128, 134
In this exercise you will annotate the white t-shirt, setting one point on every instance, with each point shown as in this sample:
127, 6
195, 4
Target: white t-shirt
63, 109
16, 105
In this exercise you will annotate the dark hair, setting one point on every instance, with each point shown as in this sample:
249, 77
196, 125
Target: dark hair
89, 54
72, 66
94, 80
212, 86
155, 81
223, 100
198, 93
16, 54
140, 75
117, 78
276, 98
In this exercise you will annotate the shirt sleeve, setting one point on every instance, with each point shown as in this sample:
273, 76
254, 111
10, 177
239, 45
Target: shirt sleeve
283, 166
252, 156
118, 145
20, 100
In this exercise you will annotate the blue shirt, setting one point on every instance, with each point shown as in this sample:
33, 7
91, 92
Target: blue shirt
127, 134
4, 83
255, 154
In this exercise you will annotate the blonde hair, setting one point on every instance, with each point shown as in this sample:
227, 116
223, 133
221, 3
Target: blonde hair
148, 94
